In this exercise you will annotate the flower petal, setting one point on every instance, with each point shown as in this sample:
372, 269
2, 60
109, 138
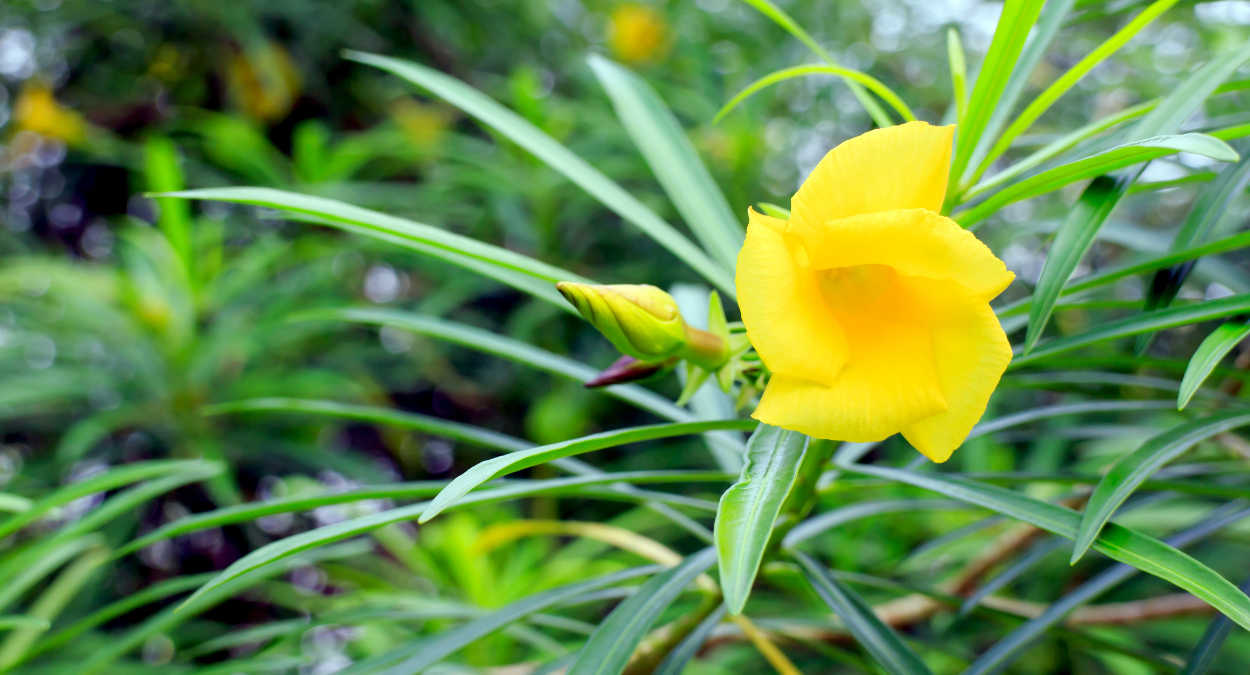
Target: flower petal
789, 323
889, 383
913, 241
971, 353
899, 167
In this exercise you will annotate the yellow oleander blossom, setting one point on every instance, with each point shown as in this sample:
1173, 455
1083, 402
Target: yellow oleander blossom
263, 81
38, 110
871, 309
637, 34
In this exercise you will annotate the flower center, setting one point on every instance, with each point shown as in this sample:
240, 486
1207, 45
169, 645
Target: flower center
857, 289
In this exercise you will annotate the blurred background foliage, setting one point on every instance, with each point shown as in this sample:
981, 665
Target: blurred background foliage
112, 337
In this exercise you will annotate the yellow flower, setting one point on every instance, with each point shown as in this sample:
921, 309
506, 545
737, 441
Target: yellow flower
37, 110
871, 309
263, 81
637, 34
423, 124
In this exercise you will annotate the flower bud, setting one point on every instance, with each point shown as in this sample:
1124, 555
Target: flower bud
640, 321
644, 322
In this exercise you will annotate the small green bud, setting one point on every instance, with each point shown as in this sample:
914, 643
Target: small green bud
640, 321
644, 322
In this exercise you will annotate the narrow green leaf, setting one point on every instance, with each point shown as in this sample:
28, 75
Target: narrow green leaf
1068, 80
164, 175
375, 415
1119, 543
1056, 147
801, 71
17, 582
614, 641
1187, 98
1074, 237
846, 514
1131, 470
959, 73
244, 513
1104, 162
779, 16
111, 479
448, 246
1038, 44
674, 161
882, 642
508, 348
1209, 354
1206, 212
1013, 29
1204, 653
448, 642
774, 211
489, 112
50, 603
749, 509
23, 621
684, 653
1141, 323
13, 503
524, 459
1032, 559
1010, 648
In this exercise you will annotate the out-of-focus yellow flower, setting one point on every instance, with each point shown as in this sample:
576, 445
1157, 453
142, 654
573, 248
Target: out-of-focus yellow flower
37, 110
263, 81
168, 64
871, 309
637, 33
423, 124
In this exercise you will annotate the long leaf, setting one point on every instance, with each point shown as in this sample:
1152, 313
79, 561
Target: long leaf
959, 73
1010, 648
525, 134
683, 653
1204, 653
1074, 237
508, 348
113, 478
779, 16
1119, 543
1131, 470
749, 509
784, 74
1013, 29
243, 513
524, 459
1147, 321
1206, 212
846, 514
1040, 39
449, 642
1209, 354
614, 641
1107, 161
448, 246
674, 161
1187, 98
882, 642
1069, 79
53, 557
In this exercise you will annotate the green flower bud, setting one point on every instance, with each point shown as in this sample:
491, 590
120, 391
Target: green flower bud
643, 322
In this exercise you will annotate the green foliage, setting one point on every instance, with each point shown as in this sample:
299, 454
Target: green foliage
324, 312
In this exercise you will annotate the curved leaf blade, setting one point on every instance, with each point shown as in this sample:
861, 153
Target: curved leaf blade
1131, 470
1204, 653
522, 132
884, 643
800, 71
524, 459
749, 509
673, 159
440, 646
614, 641
683, 653
1209, 354
1119, 543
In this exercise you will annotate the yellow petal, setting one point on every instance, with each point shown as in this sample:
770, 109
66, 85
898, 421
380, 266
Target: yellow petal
899, 167
790, 326
971, 353
913, 242
888, 383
